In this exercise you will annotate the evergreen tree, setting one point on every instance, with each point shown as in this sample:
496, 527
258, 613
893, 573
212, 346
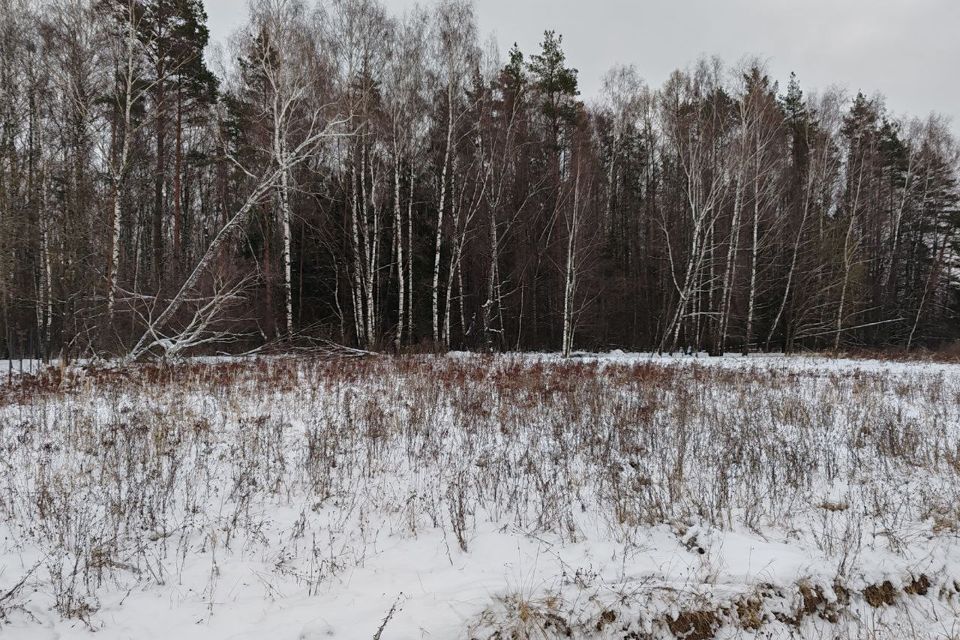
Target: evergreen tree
557, 85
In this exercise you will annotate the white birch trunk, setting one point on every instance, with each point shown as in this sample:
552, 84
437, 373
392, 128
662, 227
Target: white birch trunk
752, 296
285, 222
398, 235
118, 170
439, 238
570, 278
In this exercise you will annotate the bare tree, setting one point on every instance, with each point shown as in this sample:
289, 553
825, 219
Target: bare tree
762, 122
405, 104
285, 56
454, 40
696, 125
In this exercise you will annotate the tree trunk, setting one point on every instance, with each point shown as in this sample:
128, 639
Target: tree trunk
177, 185
222, 237
751, 303
158, 208
119, 171
287, 279
570, 277
847, 255
398, 235
439, 238
410, 258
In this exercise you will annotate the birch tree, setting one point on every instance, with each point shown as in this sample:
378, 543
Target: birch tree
454, 41
285, 56
696, 124
405, 101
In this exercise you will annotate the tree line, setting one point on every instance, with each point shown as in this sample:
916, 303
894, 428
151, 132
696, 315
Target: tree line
389, 182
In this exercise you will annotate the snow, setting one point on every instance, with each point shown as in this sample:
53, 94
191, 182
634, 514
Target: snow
11, 368
252, 541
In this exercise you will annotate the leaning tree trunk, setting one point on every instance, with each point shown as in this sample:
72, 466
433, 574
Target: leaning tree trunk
225, 233
264, 186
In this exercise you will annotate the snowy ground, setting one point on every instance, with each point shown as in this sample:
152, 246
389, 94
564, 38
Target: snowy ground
614, 496
9, 369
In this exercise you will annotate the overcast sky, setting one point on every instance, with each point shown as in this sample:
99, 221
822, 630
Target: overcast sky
909, 50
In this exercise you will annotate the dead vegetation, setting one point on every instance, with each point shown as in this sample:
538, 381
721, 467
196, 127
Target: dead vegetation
115, 476
769, 611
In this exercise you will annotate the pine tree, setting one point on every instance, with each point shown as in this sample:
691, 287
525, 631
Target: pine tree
174, 34
557, 85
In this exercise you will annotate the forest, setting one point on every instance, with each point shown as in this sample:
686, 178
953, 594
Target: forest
336, 174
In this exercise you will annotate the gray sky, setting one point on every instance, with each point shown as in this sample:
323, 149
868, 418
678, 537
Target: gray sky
909, 50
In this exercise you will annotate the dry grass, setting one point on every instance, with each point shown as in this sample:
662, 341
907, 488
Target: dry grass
114, 474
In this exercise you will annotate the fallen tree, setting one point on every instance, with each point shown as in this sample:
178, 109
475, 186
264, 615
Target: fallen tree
154, 337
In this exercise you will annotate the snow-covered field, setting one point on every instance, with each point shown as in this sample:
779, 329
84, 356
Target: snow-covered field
613, 496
